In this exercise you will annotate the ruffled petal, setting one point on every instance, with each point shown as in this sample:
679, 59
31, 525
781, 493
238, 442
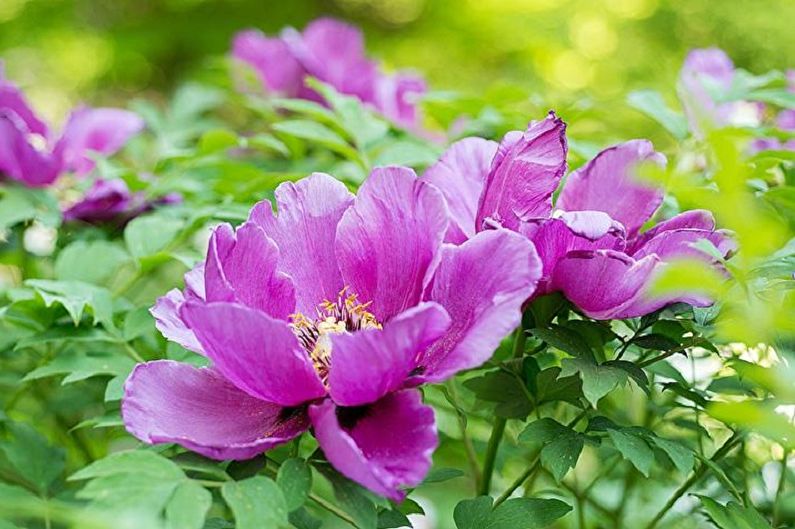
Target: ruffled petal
581, 230
95, 130
255, 352
368, 364
170, 324
678, 244
482, 284
523, 175
608, 183
170, 402
241, 267
390, 238
305, 230
697, 219
384, 446
460, 174
272, 59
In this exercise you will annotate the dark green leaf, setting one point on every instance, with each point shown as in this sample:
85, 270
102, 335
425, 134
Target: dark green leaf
634, 449
256, 502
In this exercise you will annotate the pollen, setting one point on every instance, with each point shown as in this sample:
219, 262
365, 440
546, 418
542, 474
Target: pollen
346, 314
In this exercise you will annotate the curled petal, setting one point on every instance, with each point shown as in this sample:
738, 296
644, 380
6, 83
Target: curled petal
108, 201
368, 364
460, 174
241, 267
170, 324
304, 230
13, 101
170, 402
523, 175
255, 352
679, 244
397, 97
271, 58
95, 130
21, 161
384, 446
389, 239
697, 219
482, 285
608, 183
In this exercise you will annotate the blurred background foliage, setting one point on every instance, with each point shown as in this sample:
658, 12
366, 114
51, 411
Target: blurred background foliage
66, 51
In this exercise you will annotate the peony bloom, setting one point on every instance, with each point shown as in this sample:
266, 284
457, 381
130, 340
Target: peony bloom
110, 201
334, 53
705, 74
31, 155
590, 244
327, 316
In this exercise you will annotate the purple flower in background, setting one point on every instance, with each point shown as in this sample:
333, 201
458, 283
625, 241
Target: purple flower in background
327, 316
590, 243
706, 73
334, 53
110, 201
30, 154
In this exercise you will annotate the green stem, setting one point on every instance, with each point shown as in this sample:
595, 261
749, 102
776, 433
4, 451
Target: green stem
782, 480
333, 509
133, 353
498, 429
730, 443
533, 468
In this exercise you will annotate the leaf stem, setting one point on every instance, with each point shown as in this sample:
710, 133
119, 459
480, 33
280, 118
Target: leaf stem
498, 429
730, 443
333, 509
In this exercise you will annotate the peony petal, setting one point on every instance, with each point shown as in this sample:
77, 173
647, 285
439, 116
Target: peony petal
384, 446
460, 174
107, 201
397, 97
368, 364
482, 284
678, 244
255, 352
170, 402
170, 324
523, 175
241, 268
19, 160
95, 131
304, 230
389, 239
607, 183
556, 237
13, 101
271, 58
704, 71
698, 219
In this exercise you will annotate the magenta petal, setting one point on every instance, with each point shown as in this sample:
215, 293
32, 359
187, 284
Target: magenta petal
13, 101
608, 183
95, 130
384, 446
170, 402
460, 174
524, 174
697, 219
304, 230
554, 238
241, 267
271, 58
368, 364
255, 352
482, 284
704, 71
678, 244
19, 160
388, 240
169, 322
397, 97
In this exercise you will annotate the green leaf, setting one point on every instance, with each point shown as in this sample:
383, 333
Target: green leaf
188, 506
295, 480
438, 475
597, 380
551, 387
542, 431
562, 453
681, 456
732, 515
634, 449
76, 297
351, 498
391, 518
256, 502
652, 104
516, 513
317, 133
301, 519
407, 153
474, 513
149, 464
19, 203
147, 236
80, 365
31, 456
217, 140
505, 389
564, 339
757, 417
90, 261
658, 342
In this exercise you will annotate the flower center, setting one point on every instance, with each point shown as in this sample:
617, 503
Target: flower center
345, 314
